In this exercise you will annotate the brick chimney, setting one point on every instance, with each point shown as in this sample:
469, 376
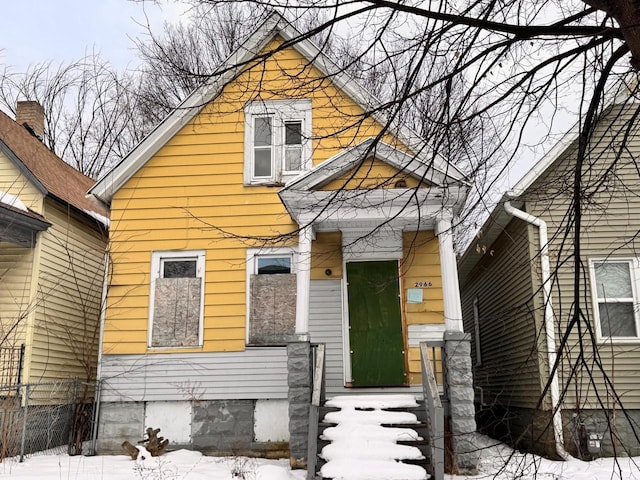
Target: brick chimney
30, 115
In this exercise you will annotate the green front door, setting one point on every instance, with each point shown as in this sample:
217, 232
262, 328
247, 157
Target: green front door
375, 324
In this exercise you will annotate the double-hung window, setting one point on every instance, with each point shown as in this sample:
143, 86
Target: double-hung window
614, 291
272, 287
277, 140
176, 299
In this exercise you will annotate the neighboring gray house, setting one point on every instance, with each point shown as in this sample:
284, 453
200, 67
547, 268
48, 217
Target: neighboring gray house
516, 333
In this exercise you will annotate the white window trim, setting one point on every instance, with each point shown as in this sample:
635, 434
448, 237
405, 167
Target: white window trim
252, 269
282, 111
156, 260
634, 272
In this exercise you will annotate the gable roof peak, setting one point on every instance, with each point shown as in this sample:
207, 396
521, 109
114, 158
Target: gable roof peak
247, 54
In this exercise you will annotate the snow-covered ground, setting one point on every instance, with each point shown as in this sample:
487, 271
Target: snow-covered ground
178, 465
497, 462
353, 453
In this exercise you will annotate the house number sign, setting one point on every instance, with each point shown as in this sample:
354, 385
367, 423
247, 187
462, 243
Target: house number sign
423, 284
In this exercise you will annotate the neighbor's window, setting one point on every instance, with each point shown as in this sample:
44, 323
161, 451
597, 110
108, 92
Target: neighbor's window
177, 290
614, 295
272, 299
277, 140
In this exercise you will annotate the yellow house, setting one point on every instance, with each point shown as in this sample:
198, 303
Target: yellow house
267, 213
52, 246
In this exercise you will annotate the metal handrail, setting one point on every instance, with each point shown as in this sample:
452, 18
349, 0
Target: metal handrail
435, 413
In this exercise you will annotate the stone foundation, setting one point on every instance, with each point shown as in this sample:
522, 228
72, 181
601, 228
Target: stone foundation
619, 433
214, 427
460, 394
119, 421
299, 380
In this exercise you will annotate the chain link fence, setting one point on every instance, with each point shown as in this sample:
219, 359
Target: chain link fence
53, 417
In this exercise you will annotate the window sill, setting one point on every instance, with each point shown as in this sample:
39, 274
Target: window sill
284, 179
263, 183
160, 349
618, 341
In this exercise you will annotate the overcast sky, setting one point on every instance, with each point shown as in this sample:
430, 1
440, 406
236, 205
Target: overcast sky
64, 30
36, 31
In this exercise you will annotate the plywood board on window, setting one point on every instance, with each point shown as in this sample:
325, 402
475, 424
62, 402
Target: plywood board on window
176, 313
273, 308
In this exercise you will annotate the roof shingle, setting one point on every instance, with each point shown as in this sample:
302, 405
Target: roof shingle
59, 178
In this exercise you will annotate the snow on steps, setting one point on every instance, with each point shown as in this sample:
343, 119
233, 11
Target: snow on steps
362, 448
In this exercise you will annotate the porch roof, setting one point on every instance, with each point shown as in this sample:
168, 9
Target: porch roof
405, 208
19, 227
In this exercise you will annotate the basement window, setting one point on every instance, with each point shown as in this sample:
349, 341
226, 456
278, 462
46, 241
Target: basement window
176, 299
272, 287
615, 299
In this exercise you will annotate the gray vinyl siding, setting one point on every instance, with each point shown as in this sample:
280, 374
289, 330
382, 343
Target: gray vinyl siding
256, 373
610, 227
325, 326
501, 281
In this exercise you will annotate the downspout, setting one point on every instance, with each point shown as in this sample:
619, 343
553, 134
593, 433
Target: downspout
548, 321
103, 311
98, 393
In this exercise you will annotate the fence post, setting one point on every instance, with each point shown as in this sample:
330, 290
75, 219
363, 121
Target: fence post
96, 416
72, 448
24, 421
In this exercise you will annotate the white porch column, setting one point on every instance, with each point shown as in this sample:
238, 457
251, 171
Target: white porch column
303, 273
449, 269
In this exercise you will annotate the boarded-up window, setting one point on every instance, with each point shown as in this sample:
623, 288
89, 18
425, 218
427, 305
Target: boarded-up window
176, 312
177, 300
273, 308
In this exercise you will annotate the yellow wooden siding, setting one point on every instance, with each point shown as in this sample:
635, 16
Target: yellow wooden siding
15, 289
372, 174
14, 182
190, 195
421, 265
65, 331
326, 254
415, 366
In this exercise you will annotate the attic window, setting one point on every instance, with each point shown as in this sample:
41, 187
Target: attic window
293, 146
272, 298
277, 141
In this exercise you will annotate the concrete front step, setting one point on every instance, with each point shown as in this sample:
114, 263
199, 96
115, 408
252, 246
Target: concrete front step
349, 469
403, 425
